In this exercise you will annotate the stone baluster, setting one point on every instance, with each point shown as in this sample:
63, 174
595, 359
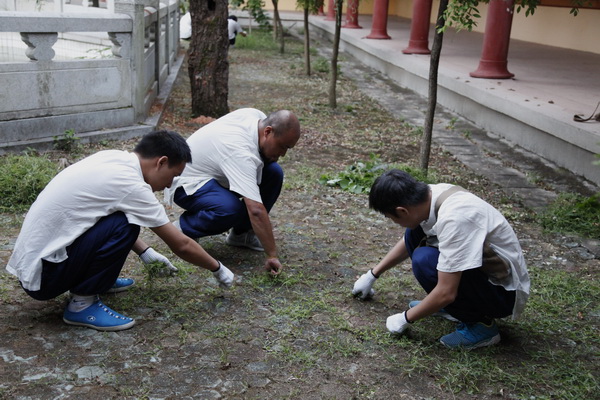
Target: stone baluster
121, 44
39, 45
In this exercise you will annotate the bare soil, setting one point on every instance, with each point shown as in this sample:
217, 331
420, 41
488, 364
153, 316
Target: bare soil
302, 335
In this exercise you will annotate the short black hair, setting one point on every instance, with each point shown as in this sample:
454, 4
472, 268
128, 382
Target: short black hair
164, 143
396, 188
233, 17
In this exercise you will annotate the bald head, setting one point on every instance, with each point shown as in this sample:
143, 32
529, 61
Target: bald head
277, 133
283, 122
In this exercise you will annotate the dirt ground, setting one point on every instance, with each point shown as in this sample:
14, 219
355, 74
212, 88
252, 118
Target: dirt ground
302, 335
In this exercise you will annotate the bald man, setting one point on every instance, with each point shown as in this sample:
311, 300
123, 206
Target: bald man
234, 179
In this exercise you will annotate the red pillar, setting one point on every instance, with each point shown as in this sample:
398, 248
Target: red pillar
379, 24
494, 56
330, 11
419, 28
352, 15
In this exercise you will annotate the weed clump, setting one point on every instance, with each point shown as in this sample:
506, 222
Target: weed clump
360, 176
22, 178
573, 213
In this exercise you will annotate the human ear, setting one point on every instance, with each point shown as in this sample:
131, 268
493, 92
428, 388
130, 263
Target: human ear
163, 160
401, 212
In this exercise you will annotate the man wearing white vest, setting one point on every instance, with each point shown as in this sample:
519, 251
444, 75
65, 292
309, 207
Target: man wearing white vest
464, 254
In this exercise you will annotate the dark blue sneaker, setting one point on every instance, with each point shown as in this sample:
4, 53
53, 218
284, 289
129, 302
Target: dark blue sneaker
472, 336
121, 285
99, 317
442, 313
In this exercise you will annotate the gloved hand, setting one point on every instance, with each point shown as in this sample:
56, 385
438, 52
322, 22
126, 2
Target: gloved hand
363, 285
224, 276
150, 255
397, 323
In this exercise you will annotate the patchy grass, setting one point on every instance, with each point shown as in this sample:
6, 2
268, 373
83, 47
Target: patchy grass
301, 334
22, 178
573, 213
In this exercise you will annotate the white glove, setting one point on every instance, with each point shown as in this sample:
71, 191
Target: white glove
363, 285
224, 276
397, 323
150, 255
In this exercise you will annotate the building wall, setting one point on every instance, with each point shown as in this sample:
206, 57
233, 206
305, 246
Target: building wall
551, 26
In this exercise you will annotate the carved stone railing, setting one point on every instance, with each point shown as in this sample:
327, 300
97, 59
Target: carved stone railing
44, 97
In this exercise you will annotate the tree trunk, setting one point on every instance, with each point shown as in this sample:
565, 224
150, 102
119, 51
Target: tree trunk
275, 19
336, 50
278, 26
306, 43
436, 50
207, 58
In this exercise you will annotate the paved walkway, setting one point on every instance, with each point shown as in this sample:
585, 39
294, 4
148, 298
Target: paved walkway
534, 180
517, 171
539, 99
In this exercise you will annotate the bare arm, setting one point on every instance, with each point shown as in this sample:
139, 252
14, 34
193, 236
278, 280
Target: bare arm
139, 246
183, 246
443, 294
395, 256
261, 224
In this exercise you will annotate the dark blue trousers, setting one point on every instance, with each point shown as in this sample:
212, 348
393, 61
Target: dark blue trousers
213, 209
477, 299
95, 260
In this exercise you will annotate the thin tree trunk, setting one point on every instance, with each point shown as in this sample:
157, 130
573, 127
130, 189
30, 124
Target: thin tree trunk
281, 35
306, 43
334, 57
436, 50
278, 26
275, 19
207, 58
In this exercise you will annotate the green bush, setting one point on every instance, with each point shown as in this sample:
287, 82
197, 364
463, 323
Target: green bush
22, 178
573, 213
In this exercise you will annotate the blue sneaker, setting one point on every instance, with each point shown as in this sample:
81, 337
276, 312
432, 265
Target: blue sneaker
442, 313
121, 285
99, 317
472, 336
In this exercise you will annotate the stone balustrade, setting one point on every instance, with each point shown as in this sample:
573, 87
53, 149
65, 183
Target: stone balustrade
43, 97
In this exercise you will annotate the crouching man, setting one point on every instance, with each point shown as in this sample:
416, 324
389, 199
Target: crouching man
464, 254
79, 231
